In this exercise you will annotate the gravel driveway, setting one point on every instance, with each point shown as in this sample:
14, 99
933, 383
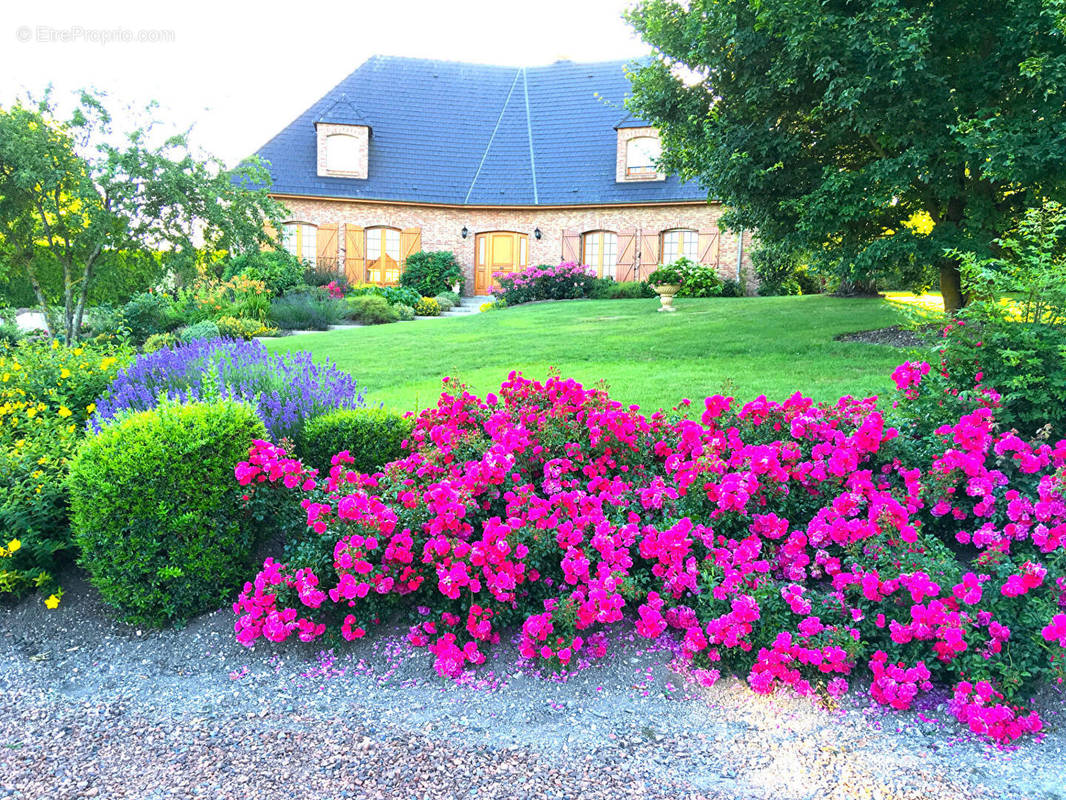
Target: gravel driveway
93, 708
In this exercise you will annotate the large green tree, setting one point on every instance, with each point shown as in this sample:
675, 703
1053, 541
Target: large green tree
74, 191
843, 128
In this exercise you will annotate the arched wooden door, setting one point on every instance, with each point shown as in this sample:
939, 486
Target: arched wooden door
498, 251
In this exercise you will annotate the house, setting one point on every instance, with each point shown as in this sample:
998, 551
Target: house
503, 166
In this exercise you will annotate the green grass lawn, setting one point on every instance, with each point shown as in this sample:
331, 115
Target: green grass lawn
772, 346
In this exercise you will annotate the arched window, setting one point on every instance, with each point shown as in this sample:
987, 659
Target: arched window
600, 251
383, 255
680, 243
342, 153
299, 239
641, 154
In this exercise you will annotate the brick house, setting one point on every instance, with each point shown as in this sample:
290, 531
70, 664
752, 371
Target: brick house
503, 166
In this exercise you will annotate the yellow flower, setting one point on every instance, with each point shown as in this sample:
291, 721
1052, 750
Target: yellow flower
31, 412
7, 377
64, 373
90, 408
42, 460
78, 351
13, 546
52, 602
55, 344
106, 363
64, 412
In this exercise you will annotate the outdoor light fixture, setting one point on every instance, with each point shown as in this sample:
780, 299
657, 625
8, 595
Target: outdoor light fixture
536, 233
465, 232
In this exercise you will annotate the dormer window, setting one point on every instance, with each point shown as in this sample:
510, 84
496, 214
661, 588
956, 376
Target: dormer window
641, 155
343, 150
638, 151
342, 153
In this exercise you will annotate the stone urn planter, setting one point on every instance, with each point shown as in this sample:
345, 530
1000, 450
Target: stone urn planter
667, 292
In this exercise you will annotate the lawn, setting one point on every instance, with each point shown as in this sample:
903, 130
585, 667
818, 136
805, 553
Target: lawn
744, 348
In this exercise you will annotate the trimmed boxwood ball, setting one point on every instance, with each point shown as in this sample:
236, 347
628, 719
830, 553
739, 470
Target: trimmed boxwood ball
373, 436
156, 510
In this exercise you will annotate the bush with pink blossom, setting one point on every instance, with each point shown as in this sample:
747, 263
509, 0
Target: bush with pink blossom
796, 545
567, 281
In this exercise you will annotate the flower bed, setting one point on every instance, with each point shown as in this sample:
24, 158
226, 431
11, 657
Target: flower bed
795, 545
287, 389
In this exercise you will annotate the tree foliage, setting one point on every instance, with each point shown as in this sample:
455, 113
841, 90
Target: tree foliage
74, 191
873, 135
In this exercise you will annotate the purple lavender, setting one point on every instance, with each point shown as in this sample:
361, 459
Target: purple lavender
286, 389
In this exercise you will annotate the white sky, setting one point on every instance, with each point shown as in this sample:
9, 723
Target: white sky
240, 72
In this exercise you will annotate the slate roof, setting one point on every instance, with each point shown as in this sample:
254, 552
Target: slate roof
467, 134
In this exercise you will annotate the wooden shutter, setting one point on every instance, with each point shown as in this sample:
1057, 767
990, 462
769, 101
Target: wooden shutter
626, 267
708, 248
649, 254
572, 246
326, 246
354, 254
410, 243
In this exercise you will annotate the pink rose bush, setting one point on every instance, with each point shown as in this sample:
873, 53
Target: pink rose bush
797, 545
566, 281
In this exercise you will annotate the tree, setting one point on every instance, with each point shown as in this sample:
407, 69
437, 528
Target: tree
873, 136
73, 191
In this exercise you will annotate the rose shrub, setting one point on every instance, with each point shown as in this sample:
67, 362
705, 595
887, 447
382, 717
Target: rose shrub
567, 281
796, 545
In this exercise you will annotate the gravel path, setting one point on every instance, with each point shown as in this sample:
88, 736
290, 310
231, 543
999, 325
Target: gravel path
93, 708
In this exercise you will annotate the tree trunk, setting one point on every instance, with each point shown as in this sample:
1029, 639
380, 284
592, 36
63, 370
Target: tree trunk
856, 288
41, 299
951, 286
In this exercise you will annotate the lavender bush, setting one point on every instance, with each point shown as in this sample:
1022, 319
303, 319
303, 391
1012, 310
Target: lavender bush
287, 390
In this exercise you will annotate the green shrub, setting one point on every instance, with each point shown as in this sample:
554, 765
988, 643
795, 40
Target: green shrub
159, 341
373, 437
429, 274
427, 307
777, 269
9, 329
629, 290
157, 513
732, 288
371, 309
279, 270
306, 311
243, 328
445, 302
147, 313
208, 329
47, 393
404, 312
698, 280
451, 297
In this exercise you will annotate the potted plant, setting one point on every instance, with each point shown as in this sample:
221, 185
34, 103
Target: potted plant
666, 281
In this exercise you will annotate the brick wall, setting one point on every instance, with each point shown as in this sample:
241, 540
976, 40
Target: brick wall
442, 227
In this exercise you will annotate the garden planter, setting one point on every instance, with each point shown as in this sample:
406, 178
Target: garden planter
666, 292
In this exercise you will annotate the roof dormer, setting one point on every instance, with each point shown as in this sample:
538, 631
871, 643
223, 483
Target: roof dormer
343, 136
638, 152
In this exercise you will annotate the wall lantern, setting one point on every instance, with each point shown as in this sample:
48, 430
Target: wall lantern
465, 232
536, 233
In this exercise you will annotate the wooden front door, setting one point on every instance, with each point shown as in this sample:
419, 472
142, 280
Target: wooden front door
498, 251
